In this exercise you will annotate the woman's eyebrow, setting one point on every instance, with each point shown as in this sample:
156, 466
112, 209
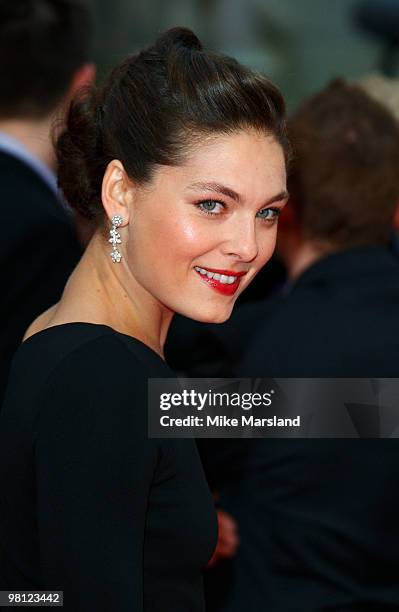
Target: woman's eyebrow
227, 191
217, 188
284, 195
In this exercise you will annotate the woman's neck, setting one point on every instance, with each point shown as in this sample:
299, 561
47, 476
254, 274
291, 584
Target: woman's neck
100, 291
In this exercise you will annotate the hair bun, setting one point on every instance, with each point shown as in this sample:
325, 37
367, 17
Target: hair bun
177, 38
79, 154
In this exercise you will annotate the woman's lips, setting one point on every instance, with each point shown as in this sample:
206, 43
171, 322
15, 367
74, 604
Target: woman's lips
226, 288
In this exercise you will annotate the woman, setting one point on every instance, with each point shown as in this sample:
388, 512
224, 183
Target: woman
180, 158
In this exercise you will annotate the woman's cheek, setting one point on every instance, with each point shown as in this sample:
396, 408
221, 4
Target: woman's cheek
271, 245
268, 245
193, 236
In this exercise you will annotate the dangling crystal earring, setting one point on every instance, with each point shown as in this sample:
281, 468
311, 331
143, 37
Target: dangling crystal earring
115, 239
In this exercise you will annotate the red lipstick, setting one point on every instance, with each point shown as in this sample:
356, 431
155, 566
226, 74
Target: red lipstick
224, 288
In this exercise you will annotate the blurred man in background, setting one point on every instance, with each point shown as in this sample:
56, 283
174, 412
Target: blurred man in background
339, 312
45, 48
318, 519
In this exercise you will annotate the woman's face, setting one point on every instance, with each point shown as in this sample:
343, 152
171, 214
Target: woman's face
200, 232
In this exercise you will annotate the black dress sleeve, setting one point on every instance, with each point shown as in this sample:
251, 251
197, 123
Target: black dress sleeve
94, 465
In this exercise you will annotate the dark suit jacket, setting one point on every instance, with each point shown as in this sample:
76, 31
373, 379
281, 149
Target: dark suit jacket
341, 318
319, 519
38, 251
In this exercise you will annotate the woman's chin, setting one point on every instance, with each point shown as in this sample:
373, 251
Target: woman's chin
219, 315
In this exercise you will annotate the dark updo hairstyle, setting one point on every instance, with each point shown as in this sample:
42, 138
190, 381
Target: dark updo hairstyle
153, 107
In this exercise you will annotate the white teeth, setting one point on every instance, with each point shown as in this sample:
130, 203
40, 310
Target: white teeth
222, 278
201, 270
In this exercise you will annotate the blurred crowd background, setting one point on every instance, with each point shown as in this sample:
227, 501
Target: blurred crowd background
299, 45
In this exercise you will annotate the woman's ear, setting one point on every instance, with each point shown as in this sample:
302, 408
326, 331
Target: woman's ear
117, 191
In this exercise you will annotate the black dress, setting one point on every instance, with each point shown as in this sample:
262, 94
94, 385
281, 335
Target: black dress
88, 503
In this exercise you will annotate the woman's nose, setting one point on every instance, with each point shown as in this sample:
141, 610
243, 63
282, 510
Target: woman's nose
241, 239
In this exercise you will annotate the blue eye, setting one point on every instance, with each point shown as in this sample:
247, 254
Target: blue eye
268, 214
211, 207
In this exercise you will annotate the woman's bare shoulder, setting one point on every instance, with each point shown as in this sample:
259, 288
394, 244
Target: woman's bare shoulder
40, 323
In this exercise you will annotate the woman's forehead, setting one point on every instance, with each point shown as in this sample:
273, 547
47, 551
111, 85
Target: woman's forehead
246, 167
235, 165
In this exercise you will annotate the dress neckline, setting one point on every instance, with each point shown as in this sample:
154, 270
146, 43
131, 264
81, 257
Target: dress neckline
101, 325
